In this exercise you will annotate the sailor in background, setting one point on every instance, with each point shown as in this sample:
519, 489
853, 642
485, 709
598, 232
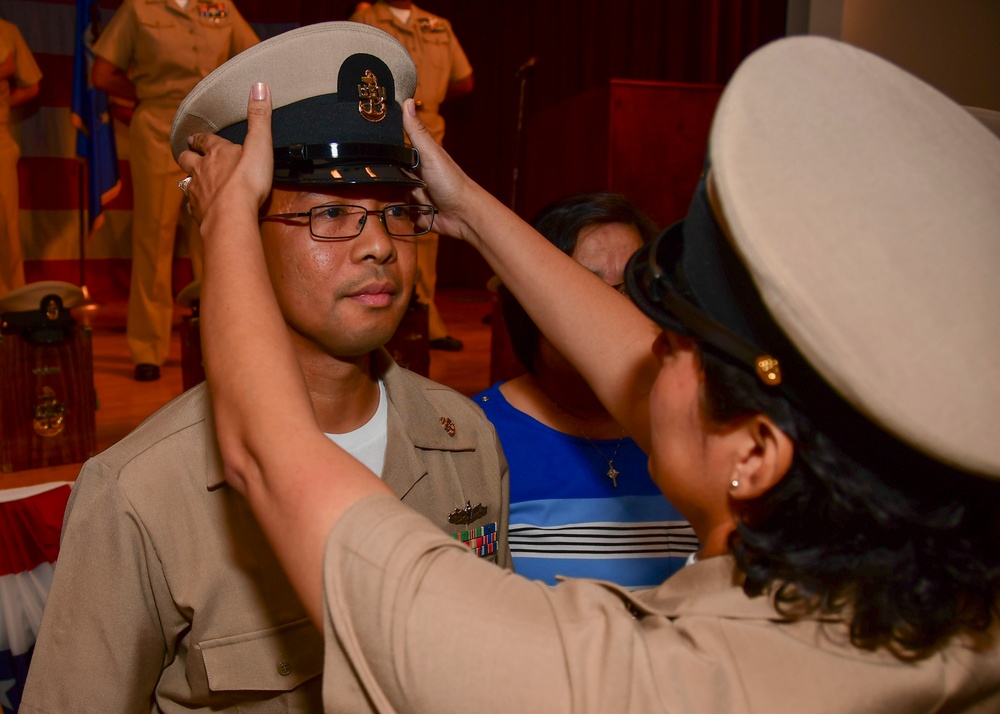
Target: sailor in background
154, 53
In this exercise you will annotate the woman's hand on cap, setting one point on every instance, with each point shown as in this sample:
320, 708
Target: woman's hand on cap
448, 188
229, 177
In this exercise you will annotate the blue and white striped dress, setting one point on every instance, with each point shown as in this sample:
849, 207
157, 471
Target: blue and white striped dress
566, 516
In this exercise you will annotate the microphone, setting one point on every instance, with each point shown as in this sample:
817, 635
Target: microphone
529, 64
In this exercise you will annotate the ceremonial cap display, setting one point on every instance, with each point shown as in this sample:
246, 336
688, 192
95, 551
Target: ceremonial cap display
337, 90
848, 235
30, 296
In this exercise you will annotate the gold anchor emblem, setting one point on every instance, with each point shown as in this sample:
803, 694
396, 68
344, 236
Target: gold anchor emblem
371, 98
449, 426
50, 414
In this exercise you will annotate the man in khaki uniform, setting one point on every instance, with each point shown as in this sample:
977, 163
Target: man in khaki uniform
443, 72
167, 596
154, 52
19, 78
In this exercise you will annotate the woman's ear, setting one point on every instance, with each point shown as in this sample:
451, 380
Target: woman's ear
764, 457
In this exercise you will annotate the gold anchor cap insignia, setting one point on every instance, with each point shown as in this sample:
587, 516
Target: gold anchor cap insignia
371, 98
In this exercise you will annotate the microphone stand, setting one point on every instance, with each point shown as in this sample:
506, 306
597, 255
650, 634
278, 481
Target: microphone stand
522, 73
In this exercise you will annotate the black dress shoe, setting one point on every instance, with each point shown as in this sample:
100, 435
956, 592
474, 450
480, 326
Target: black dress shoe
446, 343
146, 372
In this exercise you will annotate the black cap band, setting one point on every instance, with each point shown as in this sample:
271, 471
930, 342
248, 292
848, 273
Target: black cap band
361, 115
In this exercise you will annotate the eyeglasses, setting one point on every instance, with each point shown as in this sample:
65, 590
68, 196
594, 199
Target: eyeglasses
338, 222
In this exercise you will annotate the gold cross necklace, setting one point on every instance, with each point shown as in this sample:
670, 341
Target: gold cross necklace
612, 473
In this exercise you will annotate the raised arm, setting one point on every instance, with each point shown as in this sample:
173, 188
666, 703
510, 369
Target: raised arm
599, 330
296, 480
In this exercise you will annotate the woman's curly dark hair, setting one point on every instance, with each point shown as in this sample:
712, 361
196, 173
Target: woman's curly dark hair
905, 547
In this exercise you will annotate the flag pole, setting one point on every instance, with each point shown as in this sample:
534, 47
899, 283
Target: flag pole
88, 302
88, 120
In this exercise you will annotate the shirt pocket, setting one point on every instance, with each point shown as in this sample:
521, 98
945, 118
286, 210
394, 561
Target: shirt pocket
437, 54
157, 41
277, 659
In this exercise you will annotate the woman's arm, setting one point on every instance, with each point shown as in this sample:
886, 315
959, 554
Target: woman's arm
7, 67
108, 78
21, 95
295, 479
606, 338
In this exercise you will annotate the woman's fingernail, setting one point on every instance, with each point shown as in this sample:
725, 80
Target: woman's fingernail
190, 141
411, 107
259, 91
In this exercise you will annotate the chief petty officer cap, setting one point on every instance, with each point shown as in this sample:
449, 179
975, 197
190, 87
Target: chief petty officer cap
337, 91
844, 249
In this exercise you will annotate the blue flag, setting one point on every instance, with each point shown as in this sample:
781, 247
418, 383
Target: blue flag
95, 139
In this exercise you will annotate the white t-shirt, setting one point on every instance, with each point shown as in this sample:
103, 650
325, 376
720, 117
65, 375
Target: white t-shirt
402, 15
367, 443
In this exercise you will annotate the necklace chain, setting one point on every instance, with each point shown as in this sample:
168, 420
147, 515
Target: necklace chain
612, 473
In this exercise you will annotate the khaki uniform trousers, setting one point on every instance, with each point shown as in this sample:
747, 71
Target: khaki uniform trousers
427, 253
155, 214
11, 251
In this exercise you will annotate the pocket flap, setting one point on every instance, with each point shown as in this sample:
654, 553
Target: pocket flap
277, 659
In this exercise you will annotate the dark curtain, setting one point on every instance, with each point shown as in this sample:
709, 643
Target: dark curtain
578, 44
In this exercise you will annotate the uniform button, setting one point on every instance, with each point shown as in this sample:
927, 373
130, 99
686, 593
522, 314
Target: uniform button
284, 669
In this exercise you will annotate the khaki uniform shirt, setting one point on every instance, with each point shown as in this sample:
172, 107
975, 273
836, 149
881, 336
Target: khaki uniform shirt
168, 50
26, 70
435, 50
166, 596
26, 73
428, 629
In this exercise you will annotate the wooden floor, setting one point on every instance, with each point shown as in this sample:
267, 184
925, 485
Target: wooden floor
123, 403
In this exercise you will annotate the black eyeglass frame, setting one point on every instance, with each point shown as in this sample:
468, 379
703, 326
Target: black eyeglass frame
364, 213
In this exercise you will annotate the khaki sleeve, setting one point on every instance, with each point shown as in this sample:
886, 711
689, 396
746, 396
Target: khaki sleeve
6, 46
414, 622
417, 623
117, 41
460, 67
100, 647
27, 71
363, 16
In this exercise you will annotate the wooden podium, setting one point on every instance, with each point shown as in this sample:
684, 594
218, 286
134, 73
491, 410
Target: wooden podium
47, 397
646, 140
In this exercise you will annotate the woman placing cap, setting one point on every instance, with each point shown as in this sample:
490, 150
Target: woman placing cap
817, 391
